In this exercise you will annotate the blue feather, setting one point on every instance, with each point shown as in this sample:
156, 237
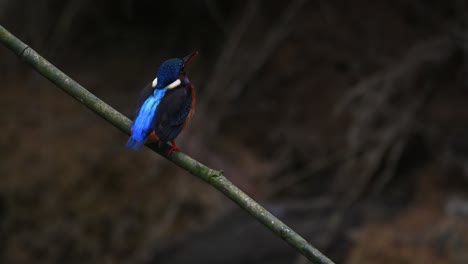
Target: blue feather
142, 125
169, 72
134, 144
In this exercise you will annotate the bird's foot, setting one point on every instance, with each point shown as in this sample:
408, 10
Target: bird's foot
173, 148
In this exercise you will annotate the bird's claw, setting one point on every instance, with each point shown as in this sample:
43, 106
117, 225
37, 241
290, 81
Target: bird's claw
173, 148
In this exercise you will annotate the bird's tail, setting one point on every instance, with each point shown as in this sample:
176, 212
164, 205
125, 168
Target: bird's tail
142, 125
135, 144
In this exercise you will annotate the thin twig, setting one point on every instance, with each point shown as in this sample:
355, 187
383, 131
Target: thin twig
231, 63
216, 15
213, 177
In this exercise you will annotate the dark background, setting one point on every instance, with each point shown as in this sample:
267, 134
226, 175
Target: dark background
347, 119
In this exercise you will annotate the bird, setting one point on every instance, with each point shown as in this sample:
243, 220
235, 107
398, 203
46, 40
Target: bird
165, 106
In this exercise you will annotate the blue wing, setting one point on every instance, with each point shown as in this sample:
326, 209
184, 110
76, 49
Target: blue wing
172, 113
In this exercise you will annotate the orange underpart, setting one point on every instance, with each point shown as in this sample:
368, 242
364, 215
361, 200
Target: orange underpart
173, 147
152, 138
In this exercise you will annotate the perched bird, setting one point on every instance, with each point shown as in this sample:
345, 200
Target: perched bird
165, 106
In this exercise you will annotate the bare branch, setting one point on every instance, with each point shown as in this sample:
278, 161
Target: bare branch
213, 177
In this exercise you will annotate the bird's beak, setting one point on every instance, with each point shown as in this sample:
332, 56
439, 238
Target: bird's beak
155, 82
187, 59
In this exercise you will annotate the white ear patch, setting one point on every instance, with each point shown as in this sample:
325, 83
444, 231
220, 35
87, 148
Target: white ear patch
155, 82
174, 84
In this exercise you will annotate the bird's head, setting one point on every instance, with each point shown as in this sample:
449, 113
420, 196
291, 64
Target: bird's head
171, 72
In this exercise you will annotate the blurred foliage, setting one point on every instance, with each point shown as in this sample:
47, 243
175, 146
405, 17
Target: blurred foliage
349, 112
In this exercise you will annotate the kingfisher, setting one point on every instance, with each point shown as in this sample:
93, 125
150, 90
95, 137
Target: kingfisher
165, 106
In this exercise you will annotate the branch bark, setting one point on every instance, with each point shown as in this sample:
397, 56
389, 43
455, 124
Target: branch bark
211, 176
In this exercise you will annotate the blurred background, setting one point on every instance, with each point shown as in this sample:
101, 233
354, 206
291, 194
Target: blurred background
346, 119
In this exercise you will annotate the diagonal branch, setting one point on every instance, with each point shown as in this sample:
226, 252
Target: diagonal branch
213, 177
